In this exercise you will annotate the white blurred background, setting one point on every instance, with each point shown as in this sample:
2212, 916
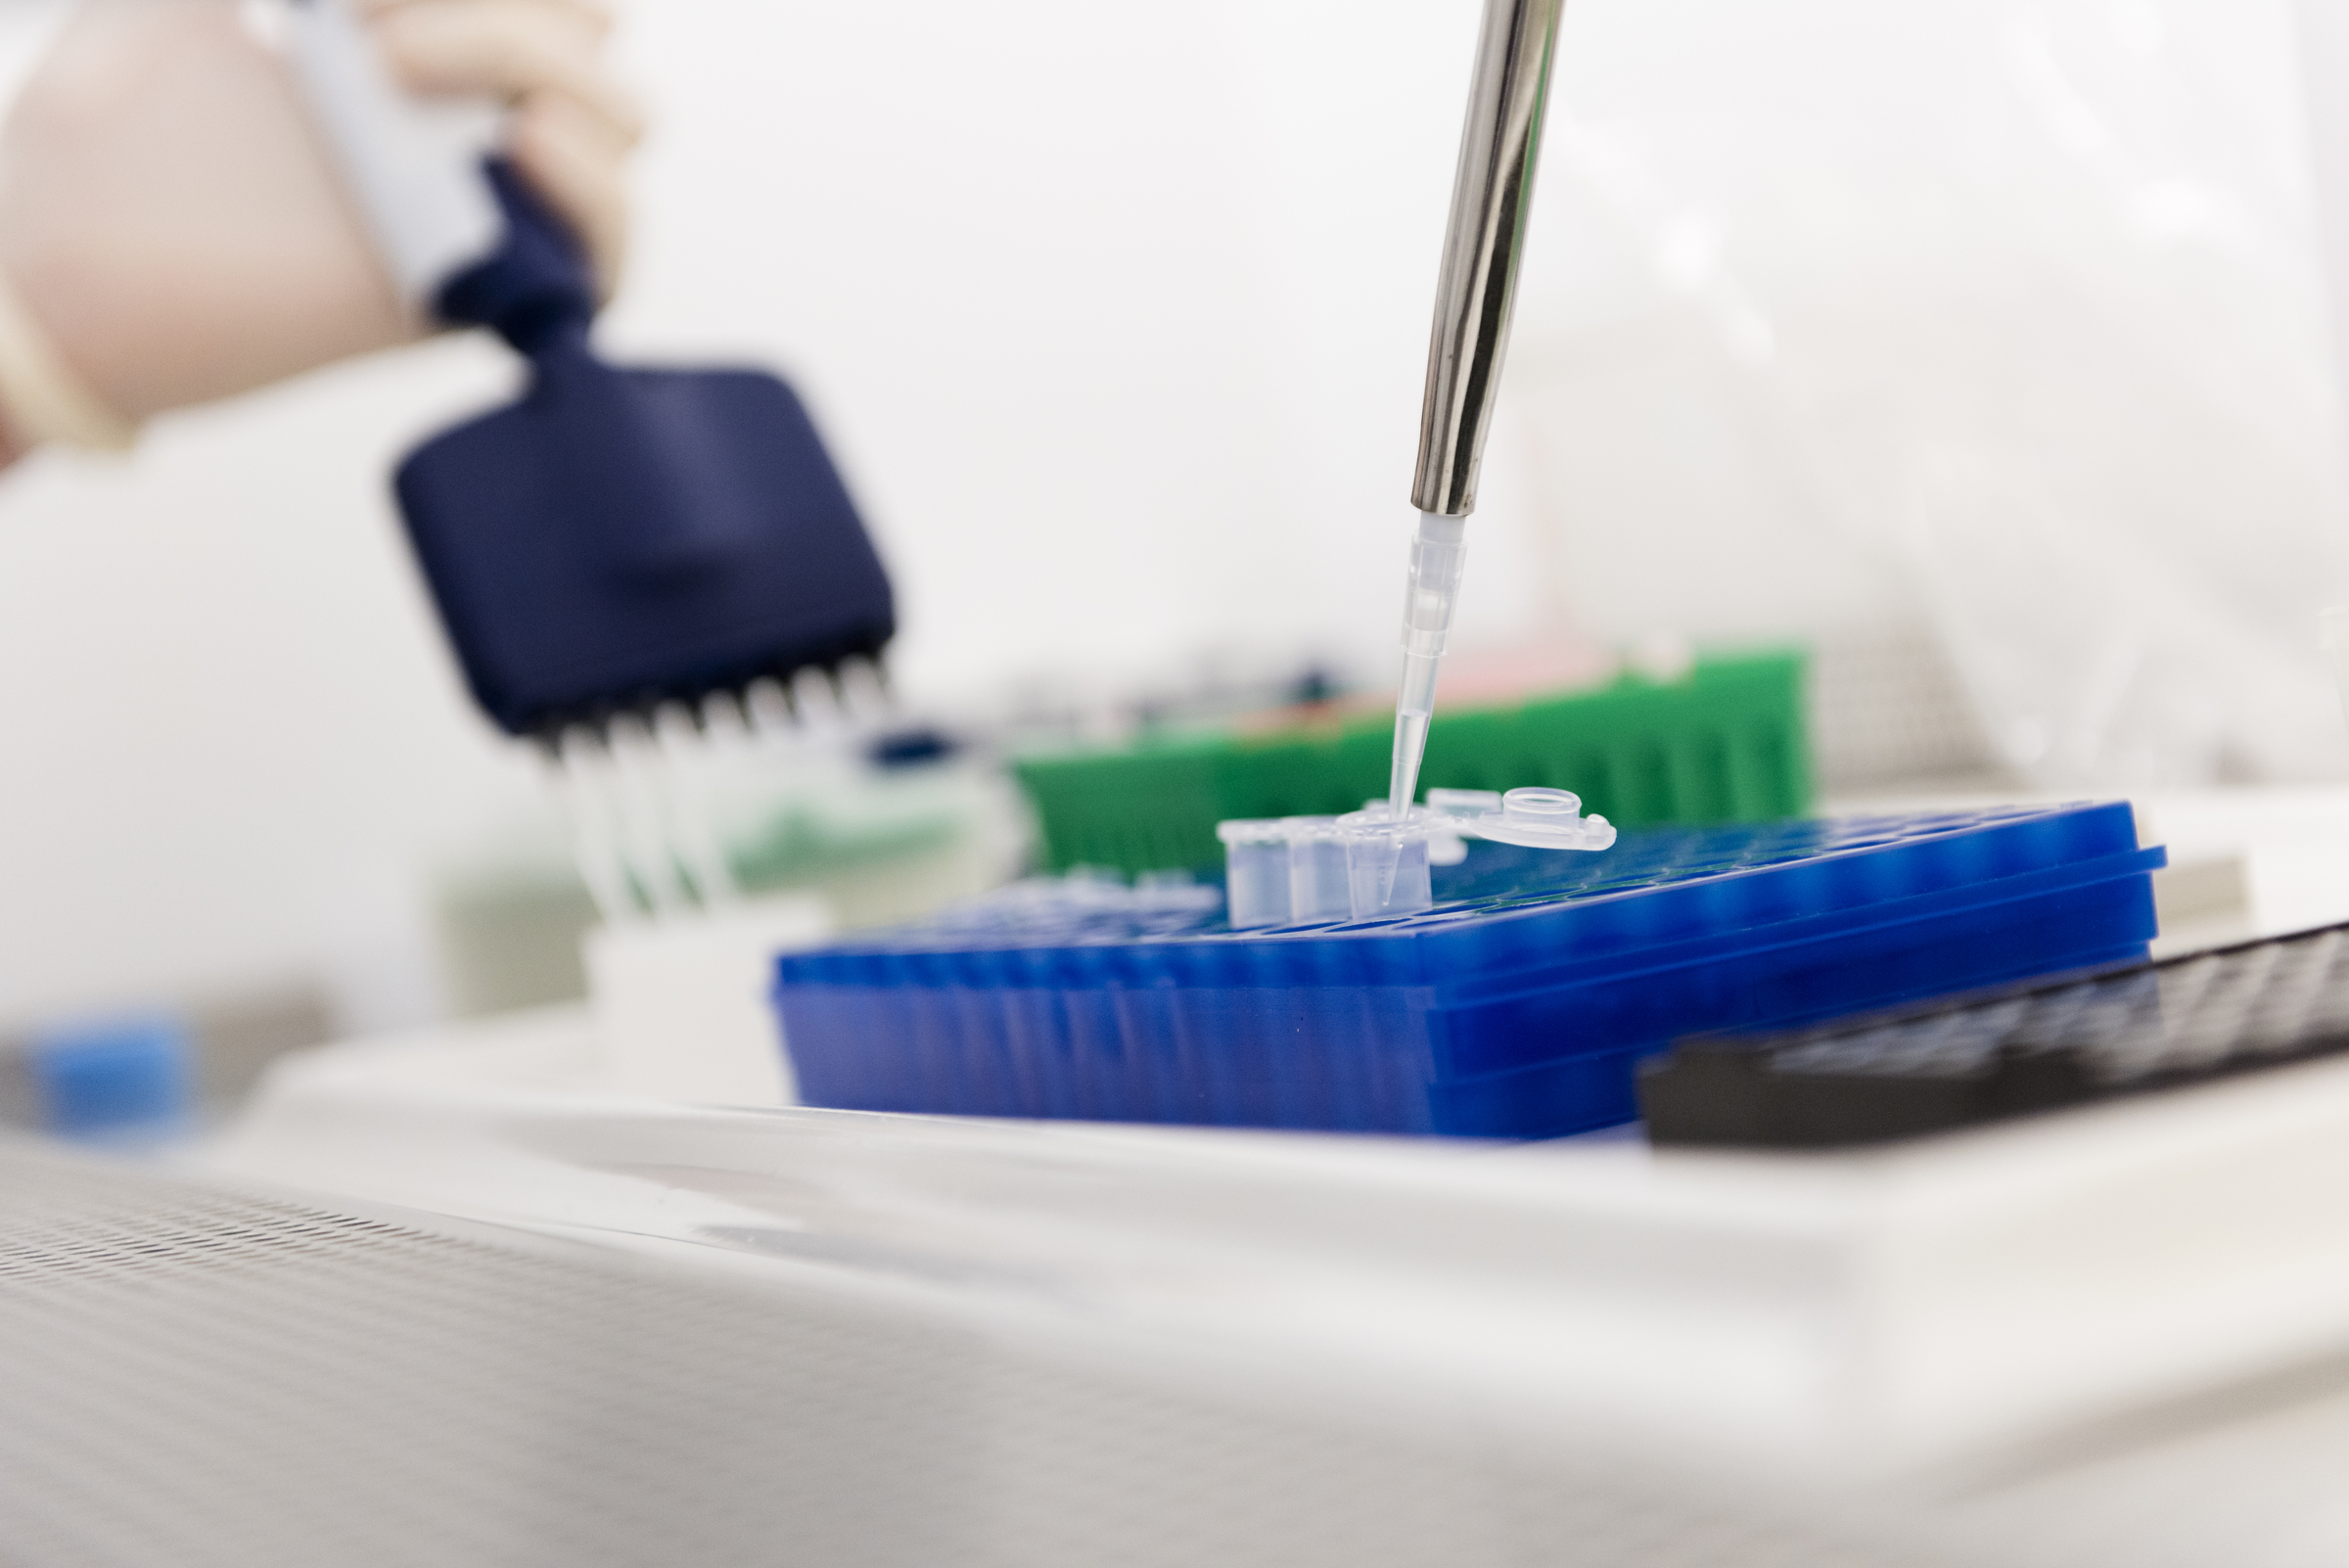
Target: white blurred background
1990, 330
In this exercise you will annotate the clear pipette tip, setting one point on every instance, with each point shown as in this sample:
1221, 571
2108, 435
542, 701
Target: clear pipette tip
1431, 594
1411, 719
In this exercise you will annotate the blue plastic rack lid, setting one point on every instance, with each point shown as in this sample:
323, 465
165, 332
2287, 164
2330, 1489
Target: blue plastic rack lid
1296, 871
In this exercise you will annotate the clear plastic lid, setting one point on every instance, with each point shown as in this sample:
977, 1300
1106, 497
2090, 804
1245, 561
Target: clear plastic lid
1543, 820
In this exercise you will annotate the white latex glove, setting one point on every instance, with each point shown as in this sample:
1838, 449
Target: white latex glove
169, 220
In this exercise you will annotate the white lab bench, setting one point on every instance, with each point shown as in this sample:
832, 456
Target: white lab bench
2115, 1335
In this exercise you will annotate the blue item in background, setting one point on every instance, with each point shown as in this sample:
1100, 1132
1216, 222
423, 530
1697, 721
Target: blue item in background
619, 538
113, 1078
1517, 1007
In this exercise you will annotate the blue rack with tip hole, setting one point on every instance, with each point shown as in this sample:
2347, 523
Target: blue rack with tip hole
1518, 1006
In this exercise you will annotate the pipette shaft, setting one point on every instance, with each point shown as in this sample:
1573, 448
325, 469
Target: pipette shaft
1491, 195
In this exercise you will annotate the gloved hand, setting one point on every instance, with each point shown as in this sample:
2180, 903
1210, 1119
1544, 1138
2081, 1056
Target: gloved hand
170, 223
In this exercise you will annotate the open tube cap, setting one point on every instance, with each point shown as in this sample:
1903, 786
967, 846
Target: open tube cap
1540, 819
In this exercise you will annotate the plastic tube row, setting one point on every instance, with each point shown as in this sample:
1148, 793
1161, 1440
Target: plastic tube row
1311, 870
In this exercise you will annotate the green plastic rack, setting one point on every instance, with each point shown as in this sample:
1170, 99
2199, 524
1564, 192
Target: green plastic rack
1725, 743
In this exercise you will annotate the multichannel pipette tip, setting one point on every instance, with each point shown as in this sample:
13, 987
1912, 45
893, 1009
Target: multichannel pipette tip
1438, 553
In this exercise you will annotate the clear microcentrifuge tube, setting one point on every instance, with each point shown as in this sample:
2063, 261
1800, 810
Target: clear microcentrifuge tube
1386, 865
1319, 887
1256, 872
1446, 811
1463, 803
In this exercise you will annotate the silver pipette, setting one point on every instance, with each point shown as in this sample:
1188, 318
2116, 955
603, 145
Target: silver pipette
1491, 196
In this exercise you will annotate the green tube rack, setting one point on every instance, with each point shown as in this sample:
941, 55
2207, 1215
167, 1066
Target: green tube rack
1724, 743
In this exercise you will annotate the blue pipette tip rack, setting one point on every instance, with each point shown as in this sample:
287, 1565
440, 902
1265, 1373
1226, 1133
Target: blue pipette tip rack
1517, 1006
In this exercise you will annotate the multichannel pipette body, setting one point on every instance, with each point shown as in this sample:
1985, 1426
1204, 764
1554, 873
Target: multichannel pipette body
1489, 198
